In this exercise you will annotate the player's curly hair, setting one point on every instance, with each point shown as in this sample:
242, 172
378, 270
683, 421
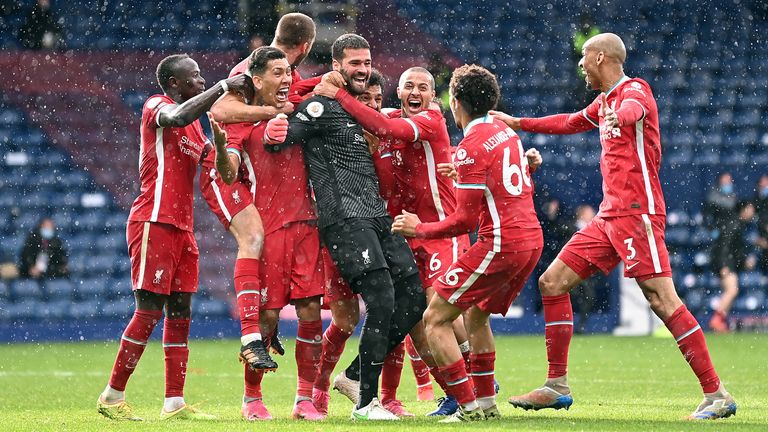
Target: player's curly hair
476, 89
166, 68
376, 78
347, 41
260, 58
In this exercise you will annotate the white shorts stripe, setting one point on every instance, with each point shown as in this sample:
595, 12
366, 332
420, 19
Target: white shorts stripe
247, 292
133, 341
554, 323
652, 244
219, 199
688, 333
472, 278
143, 255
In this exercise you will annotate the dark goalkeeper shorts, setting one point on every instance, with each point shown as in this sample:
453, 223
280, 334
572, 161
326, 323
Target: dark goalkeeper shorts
361, 245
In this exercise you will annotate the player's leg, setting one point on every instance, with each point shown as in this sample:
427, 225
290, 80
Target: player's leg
253, 408
664, 301
460, 331
729, 286
483, 359
308, 350
151, 285
149, 310
248, 230
424, 390
391, 373
438, 319
345, 314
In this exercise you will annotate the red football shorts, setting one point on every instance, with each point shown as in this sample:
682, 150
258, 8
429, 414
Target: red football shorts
291, 265
163, 258
433, 257
486, 279
336, 288
638, 240
224, 200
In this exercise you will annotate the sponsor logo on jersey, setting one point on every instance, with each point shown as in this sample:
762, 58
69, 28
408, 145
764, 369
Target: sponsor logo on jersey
302, 117
468, 161
315, 109
158, 275
461, 154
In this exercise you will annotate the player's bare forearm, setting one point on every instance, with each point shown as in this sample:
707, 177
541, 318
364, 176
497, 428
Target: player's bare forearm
226, 165
231, 108
192, 109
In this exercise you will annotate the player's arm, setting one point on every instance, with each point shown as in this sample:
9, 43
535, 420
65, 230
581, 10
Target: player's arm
303, 89
299, 127
632, 109
559, 124
231, 108
227, 162
462, 221
192, 109
370, 119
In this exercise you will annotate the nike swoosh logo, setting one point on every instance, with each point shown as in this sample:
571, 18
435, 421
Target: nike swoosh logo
250, 314
629, 267
376, 363
360, 416
433, 275
351, 124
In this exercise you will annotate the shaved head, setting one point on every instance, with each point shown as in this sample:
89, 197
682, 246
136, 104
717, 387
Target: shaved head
609, 44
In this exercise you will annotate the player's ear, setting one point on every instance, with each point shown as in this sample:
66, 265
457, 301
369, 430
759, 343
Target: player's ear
173, 82
336, 65
258, 82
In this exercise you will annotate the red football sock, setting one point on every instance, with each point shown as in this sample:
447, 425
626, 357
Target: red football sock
309, 348
253, 378
691, 342
455, 376
248, 294
334, 340
466, 355
483, 373
132, 345
175, 338
438, 376
420, 369
391, 372
558, 330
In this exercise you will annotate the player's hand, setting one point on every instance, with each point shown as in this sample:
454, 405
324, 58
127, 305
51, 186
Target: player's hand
219, 135
534, 159
448, 170
286, 108
335, 78
609, 115
242, 84
373, 141
277, 130
405, 224
327, 89
512, 122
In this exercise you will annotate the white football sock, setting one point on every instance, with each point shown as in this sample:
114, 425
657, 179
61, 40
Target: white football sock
486, 402
111, 395
250, 337
173, 403
471, 406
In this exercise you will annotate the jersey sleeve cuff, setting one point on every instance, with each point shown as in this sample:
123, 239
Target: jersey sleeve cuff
235, 152
589, 119
415, 129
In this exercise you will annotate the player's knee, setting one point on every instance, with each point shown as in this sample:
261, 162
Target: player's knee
308, 309
179, 306
252, 241
549, 285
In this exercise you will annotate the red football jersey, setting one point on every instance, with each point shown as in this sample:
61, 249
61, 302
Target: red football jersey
491, 158
278, 180
418, 188
631, 155
168, 161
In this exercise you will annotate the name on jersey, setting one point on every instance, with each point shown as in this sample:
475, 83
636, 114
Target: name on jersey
497, 139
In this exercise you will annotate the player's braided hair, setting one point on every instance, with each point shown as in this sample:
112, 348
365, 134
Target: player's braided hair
476, 89
376, 78
166, 68
294, 29
260, 57
347, 41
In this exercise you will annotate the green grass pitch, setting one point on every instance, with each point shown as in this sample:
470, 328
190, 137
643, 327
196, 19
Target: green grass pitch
619, 384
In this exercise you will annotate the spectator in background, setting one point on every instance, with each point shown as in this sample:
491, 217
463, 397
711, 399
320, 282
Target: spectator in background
584, 294
721, 210
40, 30
43, 254
761, 209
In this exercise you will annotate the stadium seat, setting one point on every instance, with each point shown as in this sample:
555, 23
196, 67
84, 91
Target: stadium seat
59, 289
88, 309
26, 289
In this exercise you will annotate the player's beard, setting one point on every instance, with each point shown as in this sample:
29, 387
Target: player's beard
351, 86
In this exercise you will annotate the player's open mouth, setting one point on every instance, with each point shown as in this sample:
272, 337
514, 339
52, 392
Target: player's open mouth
360, 80
282, 94
414, 103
